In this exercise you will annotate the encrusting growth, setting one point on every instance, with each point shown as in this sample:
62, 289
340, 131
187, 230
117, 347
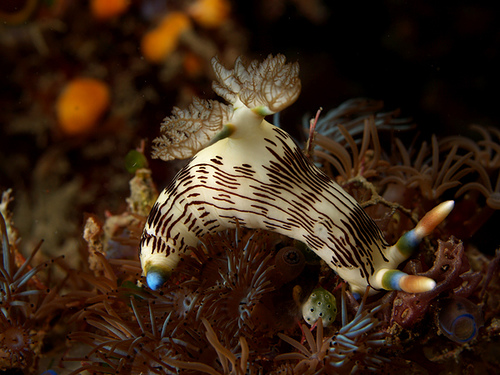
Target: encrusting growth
247, 172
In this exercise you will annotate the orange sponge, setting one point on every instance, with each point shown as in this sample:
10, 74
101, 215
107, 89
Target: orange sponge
160, 42
210, 13
80, 105
106, 9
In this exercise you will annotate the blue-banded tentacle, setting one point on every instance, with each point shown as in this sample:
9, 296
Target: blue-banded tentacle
393, 279
409, 241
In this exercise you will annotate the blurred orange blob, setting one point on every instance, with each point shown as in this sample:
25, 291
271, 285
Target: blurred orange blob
106, 9
160, 42
193, 65
80, 105
210, 13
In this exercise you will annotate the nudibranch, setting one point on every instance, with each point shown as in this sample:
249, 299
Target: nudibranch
245, 171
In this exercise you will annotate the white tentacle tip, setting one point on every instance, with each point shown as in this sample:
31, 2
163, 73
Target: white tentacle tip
416, 284
433, 218
448, 206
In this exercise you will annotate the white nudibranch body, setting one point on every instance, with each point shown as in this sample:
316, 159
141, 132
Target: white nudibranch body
247, 171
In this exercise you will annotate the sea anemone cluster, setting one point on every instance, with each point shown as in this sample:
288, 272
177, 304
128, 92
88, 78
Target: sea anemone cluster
412, 178
224, 311
398, 186
234, 305
230, 300
29, 309
351, 349
227, 284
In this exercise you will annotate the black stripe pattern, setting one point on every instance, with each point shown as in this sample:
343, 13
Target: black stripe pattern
267, 183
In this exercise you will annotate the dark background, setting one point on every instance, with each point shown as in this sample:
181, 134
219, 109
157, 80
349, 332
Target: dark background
437, 61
